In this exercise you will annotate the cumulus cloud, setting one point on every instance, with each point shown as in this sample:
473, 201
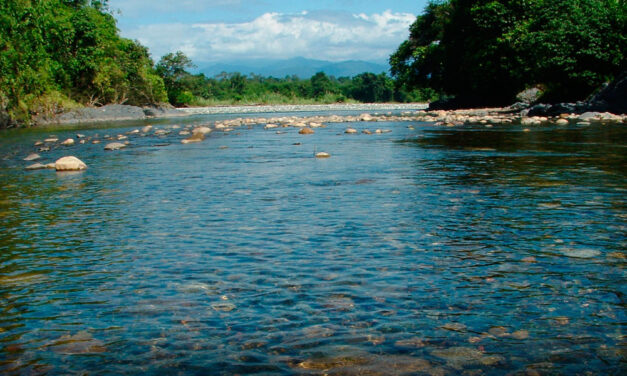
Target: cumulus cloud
324, 35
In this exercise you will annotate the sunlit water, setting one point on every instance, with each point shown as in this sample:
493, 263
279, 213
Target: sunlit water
421, 251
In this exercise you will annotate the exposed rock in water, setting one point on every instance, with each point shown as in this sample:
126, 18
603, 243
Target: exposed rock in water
68, 142
70, 163
32, 157
196, 137
350, 131
306, 131
35, 166
323, 154
201, 130
147, 128
114, 146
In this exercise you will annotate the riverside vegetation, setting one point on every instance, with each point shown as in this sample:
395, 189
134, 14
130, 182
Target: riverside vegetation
59, 55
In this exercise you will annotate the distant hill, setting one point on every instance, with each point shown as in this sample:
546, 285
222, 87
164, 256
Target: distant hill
301, 67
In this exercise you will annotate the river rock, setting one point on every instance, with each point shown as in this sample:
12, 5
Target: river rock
35, 166
114, 146
562, 122
51, 139
68, 142
323, 154
147, 128
196, 137
69, 163
306, 131
32, 157
350, 131
201, 130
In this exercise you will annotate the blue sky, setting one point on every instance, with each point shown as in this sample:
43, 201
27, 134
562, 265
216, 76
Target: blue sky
232, 30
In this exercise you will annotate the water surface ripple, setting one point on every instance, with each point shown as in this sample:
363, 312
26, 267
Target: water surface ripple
422, 251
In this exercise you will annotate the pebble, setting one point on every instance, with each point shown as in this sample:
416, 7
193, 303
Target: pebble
520, 334
580, 252
223, 307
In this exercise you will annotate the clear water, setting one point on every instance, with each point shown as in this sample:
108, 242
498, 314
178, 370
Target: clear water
422, 251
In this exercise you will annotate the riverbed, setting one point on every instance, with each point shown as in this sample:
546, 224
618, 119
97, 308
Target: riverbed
423, 249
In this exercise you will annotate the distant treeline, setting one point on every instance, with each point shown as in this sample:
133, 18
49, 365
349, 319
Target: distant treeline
184, 88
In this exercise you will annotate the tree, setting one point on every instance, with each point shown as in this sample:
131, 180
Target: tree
172, 68
485, 51
320, 85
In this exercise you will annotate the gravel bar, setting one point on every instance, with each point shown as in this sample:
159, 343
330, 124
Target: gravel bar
304, 108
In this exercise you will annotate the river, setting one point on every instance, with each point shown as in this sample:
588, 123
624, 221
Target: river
426, 250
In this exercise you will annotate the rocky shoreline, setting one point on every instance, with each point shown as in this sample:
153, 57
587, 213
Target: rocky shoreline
111, 113
306, 125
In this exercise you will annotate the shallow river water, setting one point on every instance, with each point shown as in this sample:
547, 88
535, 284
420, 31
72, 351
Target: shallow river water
435, 251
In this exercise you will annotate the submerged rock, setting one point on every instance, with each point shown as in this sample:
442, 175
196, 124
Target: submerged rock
69, 163
32, 157
114, 146
79, 343
35, 166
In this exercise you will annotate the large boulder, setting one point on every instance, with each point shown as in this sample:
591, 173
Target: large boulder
70, 163
612, 97
529, 96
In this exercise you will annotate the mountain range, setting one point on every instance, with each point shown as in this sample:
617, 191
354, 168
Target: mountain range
301, 67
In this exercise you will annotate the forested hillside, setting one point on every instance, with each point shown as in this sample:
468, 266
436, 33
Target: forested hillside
486, 51
58, 53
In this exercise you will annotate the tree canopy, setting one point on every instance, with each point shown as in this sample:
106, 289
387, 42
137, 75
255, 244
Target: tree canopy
55, 53
486, 51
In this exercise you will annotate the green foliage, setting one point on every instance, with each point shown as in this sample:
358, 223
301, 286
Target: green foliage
489, 50
69, 50
185, 88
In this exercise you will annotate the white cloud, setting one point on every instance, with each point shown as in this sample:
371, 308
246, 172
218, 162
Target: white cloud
331, 36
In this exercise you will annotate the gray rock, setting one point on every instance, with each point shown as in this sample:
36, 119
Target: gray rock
530, 95
114, 146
